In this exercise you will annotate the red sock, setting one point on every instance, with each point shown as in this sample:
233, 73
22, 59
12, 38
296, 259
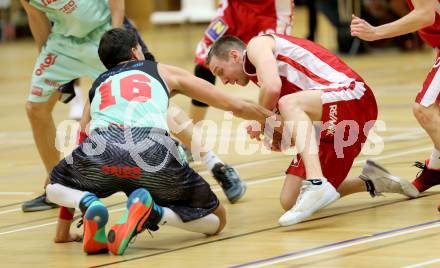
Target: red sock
66, 213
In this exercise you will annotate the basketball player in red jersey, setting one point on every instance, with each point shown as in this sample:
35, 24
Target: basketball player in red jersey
307, 83
425, 19
244, 19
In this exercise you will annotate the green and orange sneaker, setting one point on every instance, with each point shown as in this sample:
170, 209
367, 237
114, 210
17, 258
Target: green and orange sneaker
95, 219
137, 217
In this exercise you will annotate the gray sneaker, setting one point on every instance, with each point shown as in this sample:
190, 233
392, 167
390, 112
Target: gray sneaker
38, 204
379, 180
230, 181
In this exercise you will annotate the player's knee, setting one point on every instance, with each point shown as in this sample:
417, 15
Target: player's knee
424, 115
288, 102
36, 111
220, 212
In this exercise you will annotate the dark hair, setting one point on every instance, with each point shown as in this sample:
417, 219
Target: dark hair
115, 46
222, 46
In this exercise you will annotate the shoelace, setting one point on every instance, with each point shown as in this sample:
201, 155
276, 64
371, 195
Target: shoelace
80, 222
303, 189
228, 177
420, 165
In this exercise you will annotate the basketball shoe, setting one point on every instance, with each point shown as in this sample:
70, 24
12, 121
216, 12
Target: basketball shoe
426, 178
228, 178
95, 219
314, 195
379, 180
141, 213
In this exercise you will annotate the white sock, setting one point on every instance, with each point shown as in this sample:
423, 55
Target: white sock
77, 104
64, 196
434, 161
207, 225
210, 159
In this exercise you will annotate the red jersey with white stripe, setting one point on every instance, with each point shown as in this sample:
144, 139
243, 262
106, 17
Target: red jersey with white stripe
348, 104
430, 34
304, 65
246, 19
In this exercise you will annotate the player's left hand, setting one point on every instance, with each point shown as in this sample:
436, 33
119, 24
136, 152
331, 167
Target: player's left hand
363, 29
71, 237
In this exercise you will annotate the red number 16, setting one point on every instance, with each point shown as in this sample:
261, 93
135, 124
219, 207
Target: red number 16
135, 87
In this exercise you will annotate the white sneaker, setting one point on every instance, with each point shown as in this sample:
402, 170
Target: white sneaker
379, 181
314, 195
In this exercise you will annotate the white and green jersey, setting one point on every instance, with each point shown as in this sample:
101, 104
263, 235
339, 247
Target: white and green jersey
131, 94
76, 18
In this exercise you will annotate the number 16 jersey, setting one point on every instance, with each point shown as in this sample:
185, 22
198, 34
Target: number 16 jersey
131, 94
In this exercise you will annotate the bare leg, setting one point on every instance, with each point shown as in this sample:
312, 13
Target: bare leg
290, 191
300, 109
43, 129
220, 212
198, 113
352, 186
183, 128
429, 119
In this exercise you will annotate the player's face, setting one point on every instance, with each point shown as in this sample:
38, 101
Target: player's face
230, 71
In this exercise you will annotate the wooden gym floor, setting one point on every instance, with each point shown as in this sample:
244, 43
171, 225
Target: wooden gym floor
356, 231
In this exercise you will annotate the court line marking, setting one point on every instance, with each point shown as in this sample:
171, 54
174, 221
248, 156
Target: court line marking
216, 189
422, 263
241, 235
410, 135
16, 193
355, 163
340, 245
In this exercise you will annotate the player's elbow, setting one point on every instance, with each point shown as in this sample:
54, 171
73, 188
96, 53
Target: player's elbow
427, 17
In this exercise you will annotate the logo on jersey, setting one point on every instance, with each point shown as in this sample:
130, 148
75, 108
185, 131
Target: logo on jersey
37, 91
48, 2
216, 29
48, 61
52, 83
333, 114
69, 7
124, 172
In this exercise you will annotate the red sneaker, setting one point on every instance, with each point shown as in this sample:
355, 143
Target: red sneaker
139, 207
95, 219
426, 178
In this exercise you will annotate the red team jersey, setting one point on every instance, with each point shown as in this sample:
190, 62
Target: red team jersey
346, 99
246, 19
430, 34
430, 92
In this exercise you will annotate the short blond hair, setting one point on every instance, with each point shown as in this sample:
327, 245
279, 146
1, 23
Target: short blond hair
222, 46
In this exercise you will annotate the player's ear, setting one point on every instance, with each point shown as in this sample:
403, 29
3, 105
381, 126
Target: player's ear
136, 53
234, 55
133, 53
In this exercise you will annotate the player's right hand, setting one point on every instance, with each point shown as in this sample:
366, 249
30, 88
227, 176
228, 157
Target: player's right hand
363, 29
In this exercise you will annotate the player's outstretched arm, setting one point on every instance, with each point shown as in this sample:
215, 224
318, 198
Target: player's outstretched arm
39, 24
421, 16
184, 82
117, 9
